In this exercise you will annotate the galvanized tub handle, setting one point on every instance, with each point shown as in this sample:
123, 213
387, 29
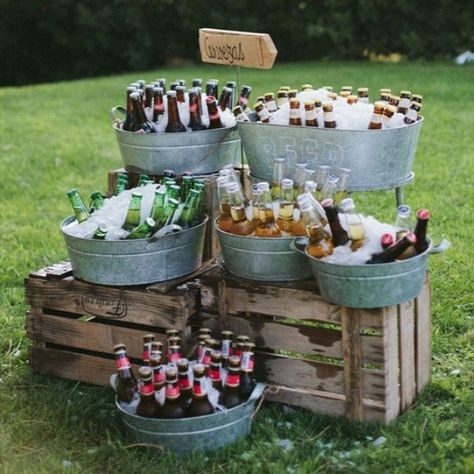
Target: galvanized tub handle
298, 244
121, 110
440, 248
257, 392
169, 229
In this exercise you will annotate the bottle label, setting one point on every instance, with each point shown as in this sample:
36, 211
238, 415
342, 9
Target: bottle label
247, 361
193, 108
197, 388
281, 101
271, 105
214, 374
147, 389
310, 114
158, 375
172, 390
404, 103
364, 100
295, 113
412, 114
376, 118
225, 349
263, 114
200, 353
232, 379
214, 116
244, 100
184, 383
146, 351
329, 117
174, 356
122, 363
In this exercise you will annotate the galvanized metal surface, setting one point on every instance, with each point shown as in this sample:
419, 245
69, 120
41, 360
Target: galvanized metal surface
135, 262
201, 152
262, 259
371, 286
378, 159
209, 432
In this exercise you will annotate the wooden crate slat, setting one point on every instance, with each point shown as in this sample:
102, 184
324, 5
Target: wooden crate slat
406, 316
57, 270
423, 336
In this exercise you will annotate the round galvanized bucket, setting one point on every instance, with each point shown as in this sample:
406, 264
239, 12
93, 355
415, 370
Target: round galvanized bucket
202, 152
371, 286
378, 159
262, 259
204, 433
136, 262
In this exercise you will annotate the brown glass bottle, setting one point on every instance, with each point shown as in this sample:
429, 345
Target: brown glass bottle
158, 104
386, 240
239, 114
225, 97
185, 387
180, 97
174, 122
172, 408
270, 103
262, 112
142, 124
156, 364
412, 113
310, 119
147, 406
129, 124
226, 346
295, 113
200, 404
126, 384
214, 116
339, 234
422, 218
195, 122
212, 88
329, 120
388, 113
247, 384
363, 94
231, 395
376, 120
214, 372
244, 97
404, 104
292, 93
392, 253
147, 340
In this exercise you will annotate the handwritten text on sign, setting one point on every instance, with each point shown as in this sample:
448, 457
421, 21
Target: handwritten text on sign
237, 48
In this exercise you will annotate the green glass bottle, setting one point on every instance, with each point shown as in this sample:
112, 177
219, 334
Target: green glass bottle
100, 232
186, 186
187, 217
174, 192
143, 180
80, 209
158, 208
97, 201
132, 219
199, 216
168, 216
143, 230
121, 184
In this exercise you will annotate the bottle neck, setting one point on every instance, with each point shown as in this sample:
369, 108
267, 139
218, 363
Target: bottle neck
173, 114
233, 377
198, 387
138, 111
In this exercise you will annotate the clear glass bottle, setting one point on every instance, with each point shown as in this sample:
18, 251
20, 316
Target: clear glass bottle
353, 224
240, 224
278, 176
285, 220
318, 245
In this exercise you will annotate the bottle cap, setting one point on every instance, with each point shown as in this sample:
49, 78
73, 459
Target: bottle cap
171, 94
327, 202
309, 104
327, 107
119, 347
347, 204
294, 101
391, 108
386, 240
417, 97
247, 88
404, 93
363, 89
423, 214
269, 95
279, 159
310, 186
411, 237
150, 221
145, 372
287, 183
263, 186
137, 194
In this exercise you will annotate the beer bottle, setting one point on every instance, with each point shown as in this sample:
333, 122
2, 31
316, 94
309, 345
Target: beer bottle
285, 217
422, 218
101, 232
292, 94
80, 209
394, 101
347, 89
143, 230
404, 104
329, 120
147, 341
328, 88
142, 123
197, 82
240, 223
147, 406
214, 372
330, 188
162, 83
184, 383
262, 112
240, 340
317, 246
322, 172
332, 96
225, 219
141, 83
126, 384
158, 104
174, 122
158, 208
363, 94
156, 364
300, 177
339, 234
344, 95
188, 215
394, 252
172, 408
214, 116
168, 217
282, 97
295, 113
121, 184
342, 185
226, 96
267, 226
180, 98
186, 186
143, 180
353, 221
376, 120
270, 103
352, 99
149, 95
257, 196
247, 383
206, 353
244, 97
388, 113
412, 114
226, 346
278, 175
239, 114
386, 240
417, 98
132, 219
307, 87
129, 124
174, 353
200, 404
402, 223
212, 88
231, 395
384, 97
310, 119
232, 85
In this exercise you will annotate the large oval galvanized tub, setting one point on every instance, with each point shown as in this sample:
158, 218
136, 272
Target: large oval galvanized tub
371, 286
202, 152
262, 259
378, 159
208, 433
135, 262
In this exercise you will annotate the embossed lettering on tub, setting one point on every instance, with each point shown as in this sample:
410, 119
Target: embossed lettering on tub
103, 306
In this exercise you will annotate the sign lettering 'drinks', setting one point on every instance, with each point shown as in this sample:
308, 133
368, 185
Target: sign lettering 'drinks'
115, 308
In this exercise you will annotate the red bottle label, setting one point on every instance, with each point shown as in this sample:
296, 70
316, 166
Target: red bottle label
147, 389
214, 116
158, 375
173, 357
206, 360
122, 363
172, 391
214, 374
197, 388
232, 379
184, 383
244, 100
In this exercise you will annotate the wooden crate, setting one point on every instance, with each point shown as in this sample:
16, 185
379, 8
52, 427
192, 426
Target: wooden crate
365, 364
73, 325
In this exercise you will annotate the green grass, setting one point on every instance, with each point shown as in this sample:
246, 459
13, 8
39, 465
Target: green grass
57, 136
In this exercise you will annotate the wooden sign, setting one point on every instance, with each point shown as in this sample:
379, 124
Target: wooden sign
237, 48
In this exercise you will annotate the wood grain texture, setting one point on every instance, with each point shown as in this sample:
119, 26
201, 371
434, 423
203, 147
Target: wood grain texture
406, 328
423, 336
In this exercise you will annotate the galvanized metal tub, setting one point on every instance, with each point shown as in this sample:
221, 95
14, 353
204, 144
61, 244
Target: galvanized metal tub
135, 262
262, 259
378, 159
371, 286
202, 152
209, 432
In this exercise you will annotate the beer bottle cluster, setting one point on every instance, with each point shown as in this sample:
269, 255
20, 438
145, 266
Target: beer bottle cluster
146, 105
307, 113
171, 386
172, 204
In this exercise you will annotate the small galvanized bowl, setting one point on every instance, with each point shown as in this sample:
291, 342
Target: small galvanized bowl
378, 159
202, 152
374, 285
261, 258
203, 433
135, 262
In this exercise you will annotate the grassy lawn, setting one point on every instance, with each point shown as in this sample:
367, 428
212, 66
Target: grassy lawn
57, 136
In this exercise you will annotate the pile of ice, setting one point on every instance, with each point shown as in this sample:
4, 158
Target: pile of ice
343, 255
348, 117
113, 215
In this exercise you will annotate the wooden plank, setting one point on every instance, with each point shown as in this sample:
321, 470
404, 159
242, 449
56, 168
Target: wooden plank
390, 338
352, 349
88, 335
56, 270
407, 354
136, 305
423, 336
237, 48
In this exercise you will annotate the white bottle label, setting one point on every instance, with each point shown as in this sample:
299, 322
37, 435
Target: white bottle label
310, 114
412, 114
329, 117
263, 114
242, 117
244, 363
271, 105
364, 100
295, 114
225, 348
281, 101
404, 103
376, 118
